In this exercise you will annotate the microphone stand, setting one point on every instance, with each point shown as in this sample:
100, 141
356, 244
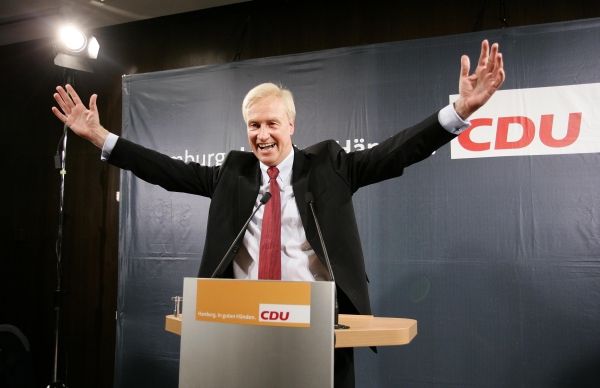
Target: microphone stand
233, 248
60, 163
310, 201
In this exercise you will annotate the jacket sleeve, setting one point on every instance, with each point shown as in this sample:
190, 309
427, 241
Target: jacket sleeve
159, 169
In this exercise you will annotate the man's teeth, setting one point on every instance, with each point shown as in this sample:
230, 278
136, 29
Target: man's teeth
266, 146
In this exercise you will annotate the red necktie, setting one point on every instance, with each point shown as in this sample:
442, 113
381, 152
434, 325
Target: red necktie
269, 261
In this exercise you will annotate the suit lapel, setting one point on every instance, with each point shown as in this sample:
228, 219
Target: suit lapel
300, 179
248, 186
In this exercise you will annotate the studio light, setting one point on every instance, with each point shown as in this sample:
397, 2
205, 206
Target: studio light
93, 48
75, 49
72, 38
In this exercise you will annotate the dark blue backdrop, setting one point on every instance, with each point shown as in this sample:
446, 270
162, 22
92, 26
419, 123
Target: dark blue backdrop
497, 258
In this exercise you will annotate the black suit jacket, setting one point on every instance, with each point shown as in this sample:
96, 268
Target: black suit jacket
324, 169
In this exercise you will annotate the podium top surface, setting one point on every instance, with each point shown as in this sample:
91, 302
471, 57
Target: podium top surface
364, 331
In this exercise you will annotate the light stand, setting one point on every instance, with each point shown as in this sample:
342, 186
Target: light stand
60, 163
76, 51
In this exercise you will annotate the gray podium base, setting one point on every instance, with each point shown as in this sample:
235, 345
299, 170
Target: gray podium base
222, 355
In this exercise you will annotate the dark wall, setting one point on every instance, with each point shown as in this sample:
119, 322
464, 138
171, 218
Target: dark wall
31, 184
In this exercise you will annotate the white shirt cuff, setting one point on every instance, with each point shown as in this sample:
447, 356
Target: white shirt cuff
451, 121
108, 146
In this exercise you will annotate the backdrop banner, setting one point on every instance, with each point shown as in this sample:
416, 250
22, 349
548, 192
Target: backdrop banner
492, 244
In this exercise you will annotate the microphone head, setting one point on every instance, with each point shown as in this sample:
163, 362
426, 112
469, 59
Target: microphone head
308, 197
265, 198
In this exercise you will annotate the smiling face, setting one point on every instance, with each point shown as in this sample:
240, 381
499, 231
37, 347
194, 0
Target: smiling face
269, 129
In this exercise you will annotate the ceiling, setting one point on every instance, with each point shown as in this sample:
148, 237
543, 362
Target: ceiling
23, 20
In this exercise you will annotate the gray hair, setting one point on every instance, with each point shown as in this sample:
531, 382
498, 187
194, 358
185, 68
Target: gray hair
268, 90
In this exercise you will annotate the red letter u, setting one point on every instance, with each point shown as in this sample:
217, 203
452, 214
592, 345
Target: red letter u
573, 128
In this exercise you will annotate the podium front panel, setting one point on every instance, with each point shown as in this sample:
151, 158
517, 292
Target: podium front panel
258, 354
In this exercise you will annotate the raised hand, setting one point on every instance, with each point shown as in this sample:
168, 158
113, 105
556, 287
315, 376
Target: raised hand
83, 121
477, 88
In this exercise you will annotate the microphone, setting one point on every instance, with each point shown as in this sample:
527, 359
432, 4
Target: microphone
233, 248
309, 199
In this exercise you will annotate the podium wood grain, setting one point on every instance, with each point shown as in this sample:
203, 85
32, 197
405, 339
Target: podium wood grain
365, 330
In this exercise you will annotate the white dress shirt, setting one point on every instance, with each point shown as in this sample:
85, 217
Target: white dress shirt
298, 259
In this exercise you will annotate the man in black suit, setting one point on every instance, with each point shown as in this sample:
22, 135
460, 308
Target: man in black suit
324, 170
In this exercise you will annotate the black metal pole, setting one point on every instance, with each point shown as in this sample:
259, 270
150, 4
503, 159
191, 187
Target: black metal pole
61, 165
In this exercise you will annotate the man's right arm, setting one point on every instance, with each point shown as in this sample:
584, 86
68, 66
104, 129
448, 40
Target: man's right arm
149, 165
160, 169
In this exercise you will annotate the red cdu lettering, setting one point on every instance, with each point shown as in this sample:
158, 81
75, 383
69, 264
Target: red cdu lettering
275, 315
527, 134
465, 138
573, 128
526, 129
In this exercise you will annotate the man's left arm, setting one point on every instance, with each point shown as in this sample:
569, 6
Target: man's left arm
389, 158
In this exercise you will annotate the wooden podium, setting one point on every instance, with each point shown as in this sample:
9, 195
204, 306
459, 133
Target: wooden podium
234, 330
364, 331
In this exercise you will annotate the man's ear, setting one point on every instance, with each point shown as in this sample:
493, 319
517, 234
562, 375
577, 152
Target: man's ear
292, 127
